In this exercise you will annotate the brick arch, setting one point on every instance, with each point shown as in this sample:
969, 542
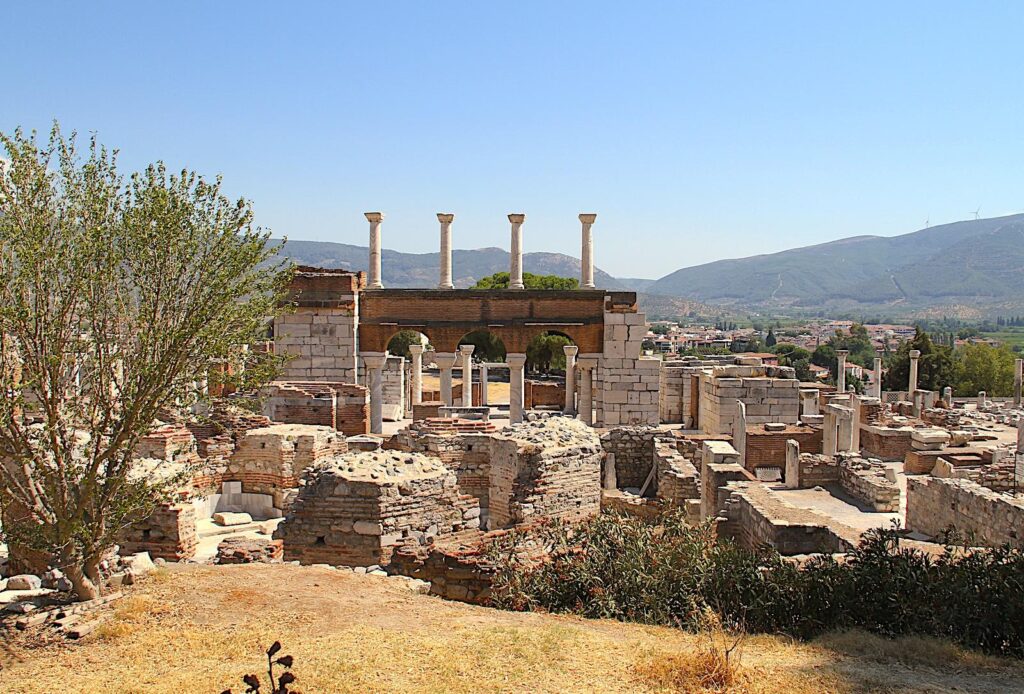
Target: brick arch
516, 317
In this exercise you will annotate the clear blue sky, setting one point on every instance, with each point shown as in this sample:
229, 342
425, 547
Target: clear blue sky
696, 131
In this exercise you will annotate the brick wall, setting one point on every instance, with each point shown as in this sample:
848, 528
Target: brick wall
543, 394
887, 443
342, 406
768, 448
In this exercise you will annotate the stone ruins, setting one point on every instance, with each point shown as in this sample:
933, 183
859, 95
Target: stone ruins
409, 466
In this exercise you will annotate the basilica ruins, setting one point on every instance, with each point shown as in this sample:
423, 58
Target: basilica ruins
409, 466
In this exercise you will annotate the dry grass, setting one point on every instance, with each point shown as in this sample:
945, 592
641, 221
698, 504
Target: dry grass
199, 629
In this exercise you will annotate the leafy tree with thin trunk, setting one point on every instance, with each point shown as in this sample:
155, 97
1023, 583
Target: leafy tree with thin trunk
116, 297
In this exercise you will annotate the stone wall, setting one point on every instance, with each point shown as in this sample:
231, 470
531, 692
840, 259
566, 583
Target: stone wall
393, 386
816, 470
544, 469
625, 385
168, 533
321, 332
342, 406
886, 442
719, 465
678, 479
980, 515
753, 516
356, 508
631, 451
769, 394
271, 460
869, 483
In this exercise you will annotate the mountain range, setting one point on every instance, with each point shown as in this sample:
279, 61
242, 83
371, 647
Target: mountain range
968, 269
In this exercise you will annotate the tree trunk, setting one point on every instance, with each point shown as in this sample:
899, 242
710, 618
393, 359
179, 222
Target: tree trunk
85, 580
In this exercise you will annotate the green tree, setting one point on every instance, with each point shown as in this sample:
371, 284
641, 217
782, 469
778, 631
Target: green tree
796, 357
399, 344
488, 347
545, 353
115, 299
935, 367
500, 280
980, 366
769, 340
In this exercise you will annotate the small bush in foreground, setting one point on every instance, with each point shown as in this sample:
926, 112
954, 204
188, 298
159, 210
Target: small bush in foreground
669, 573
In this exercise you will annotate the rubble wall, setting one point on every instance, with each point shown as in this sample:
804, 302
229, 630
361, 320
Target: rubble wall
632, 451
981, 515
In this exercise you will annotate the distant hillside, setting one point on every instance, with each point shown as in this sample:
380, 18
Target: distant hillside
421, 270
975, 265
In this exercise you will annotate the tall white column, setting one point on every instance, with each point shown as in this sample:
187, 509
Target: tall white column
915, 354
878, 377
467, 374
375, 219
841, 355
515, 272
446, 250
445, 361
587, 252
570, 378
484, 402
416, 354
586, 375
1018, 379
374, 363
517, 386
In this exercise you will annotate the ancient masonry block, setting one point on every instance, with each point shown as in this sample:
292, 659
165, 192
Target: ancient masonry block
270, 460
341, 406
979, 515
544, 469
168, 533
356, 508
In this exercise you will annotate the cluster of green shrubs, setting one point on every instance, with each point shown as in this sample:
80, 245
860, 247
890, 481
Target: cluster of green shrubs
666, 572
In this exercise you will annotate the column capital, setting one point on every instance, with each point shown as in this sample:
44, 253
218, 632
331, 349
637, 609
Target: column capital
915, 353
588, 217
416, 349
467, 349
570, 350
586, 363
374, 216
374, 360
445, 217
516, 360
842, 352
517, 218
445, 360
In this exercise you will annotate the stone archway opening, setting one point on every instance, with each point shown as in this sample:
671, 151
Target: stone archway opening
551, 368
490, 377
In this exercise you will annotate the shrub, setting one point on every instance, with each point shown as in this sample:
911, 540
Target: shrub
666, 572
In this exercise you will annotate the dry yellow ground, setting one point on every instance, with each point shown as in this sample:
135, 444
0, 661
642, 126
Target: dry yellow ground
199, 629
497, 392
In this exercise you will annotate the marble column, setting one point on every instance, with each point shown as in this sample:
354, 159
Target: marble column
915, 354
467, 374
586, 376
1018, 378
982, 397
878, 377
375, 219
587, 252
845, 434
739, 432
445, 361
515, 272
374, 363
570, 378
947, 395
484, 401
416, 357
446, 250
792, 464
841, 355
517, 386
